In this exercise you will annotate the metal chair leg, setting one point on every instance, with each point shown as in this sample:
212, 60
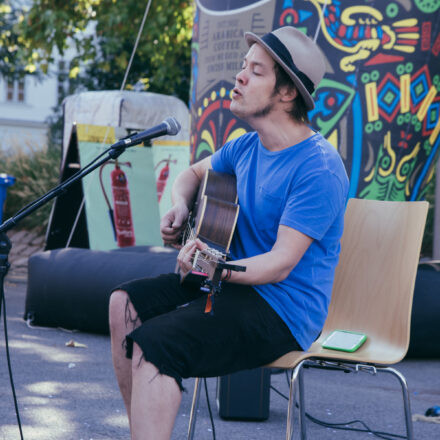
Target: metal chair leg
297, 375
194, 406
406, 402
302, 407
290, 407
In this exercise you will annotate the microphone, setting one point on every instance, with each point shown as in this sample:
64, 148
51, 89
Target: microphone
169, 126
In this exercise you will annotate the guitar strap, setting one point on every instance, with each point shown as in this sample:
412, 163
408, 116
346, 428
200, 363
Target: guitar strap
209, 303
215, 284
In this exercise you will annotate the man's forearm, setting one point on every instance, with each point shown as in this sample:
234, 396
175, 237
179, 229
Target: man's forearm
185, 188
187, 183
275, 265
261, 269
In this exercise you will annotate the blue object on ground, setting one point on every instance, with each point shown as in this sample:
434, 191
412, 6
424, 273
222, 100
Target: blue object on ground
5, 181
433, 411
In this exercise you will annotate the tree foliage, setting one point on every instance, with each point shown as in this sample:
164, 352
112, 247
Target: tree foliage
11, 65
103, 33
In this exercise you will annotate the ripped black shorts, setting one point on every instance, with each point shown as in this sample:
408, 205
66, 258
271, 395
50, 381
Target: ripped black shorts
181, 340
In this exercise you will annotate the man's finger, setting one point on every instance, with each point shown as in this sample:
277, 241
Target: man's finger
177, 224
200, 244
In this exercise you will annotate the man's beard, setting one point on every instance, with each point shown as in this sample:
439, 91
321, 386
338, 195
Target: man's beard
260, 113
263, 112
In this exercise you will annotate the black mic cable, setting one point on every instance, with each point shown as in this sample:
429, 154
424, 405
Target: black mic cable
14, 395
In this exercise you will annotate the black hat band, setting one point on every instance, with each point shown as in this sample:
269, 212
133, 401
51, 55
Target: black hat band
280, 49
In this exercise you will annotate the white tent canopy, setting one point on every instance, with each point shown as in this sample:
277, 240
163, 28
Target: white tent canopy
130, 110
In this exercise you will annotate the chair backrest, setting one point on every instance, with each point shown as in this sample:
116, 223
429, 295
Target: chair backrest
374, 280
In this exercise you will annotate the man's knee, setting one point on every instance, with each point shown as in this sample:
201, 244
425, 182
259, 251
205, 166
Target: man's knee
118, 301
120, 307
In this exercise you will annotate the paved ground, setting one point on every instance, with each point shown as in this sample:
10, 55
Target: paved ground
70, 393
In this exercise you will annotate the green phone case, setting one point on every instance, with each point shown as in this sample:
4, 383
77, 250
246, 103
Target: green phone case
344, 340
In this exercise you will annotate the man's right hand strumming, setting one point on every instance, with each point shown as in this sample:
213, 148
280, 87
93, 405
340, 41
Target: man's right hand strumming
173, 223
184, 190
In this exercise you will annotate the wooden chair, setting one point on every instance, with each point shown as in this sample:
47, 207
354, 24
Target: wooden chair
372, 293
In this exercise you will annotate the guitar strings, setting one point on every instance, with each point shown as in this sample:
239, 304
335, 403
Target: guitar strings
189, 234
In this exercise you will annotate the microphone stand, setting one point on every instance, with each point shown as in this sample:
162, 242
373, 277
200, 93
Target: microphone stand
113, 152
5, 244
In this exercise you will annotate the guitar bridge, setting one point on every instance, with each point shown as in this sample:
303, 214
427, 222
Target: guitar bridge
216, 253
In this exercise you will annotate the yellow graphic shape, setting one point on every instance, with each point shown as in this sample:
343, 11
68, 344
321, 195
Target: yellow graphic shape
407, 49
409, 22
361, 15
404, 160
405, 83
372, 106
370, 176
388, 148
333, 139
207, 137
435, 133
410, 35
169, 143
347, 13
430, 175
423, 109
95, 133
236, 133
392, 154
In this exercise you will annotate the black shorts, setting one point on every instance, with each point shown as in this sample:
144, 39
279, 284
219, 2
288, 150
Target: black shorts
181, 340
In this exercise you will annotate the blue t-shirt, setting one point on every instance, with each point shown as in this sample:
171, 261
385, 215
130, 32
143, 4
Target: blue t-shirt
304, 187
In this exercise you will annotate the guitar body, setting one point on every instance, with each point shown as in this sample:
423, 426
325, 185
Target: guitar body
214, 215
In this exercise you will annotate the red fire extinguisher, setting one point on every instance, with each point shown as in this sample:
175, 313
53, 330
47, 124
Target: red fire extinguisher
122, 208
120, 215
163, 176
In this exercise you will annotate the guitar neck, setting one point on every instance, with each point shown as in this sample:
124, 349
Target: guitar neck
215, 212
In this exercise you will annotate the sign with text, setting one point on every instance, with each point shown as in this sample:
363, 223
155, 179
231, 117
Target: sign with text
378, 104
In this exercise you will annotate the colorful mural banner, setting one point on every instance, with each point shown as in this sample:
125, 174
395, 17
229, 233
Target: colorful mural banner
379, 103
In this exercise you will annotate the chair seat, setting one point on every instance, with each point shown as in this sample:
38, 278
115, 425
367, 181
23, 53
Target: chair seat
379, 352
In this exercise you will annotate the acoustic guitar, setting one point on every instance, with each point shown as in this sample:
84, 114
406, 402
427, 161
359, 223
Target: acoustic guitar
213, 219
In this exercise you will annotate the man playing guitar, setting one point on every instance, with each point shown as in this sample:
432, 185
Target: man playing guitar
292, 189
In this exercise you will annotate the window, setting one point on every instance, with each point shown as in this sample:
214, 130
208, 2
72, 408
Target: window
15, 90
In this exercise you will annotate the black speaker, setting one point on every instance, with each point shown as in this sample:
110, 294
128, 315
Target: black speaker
425, 312
244, 395
71, 287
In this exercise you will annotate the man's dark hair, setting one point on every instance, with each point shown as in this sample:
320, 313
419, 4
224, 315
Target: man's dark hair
298, 112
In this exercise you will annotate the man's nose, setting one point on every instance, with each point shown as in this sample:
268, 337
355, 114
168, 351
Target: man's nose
241, 76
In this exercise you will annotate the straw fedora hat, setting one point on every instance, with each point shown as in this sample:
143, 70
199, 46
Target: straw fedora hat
297, 54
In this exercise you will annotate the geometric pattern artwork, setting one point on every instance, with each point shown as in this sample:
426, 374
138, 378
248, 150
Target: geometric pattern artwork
388, 97
379, 103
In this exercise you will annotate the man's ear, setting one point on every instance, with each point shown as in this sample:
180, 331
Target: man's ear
288, 94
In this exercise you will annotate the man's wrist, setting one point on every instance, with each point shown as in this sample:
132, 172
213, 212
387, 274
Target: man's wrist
180, 202
226, 275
